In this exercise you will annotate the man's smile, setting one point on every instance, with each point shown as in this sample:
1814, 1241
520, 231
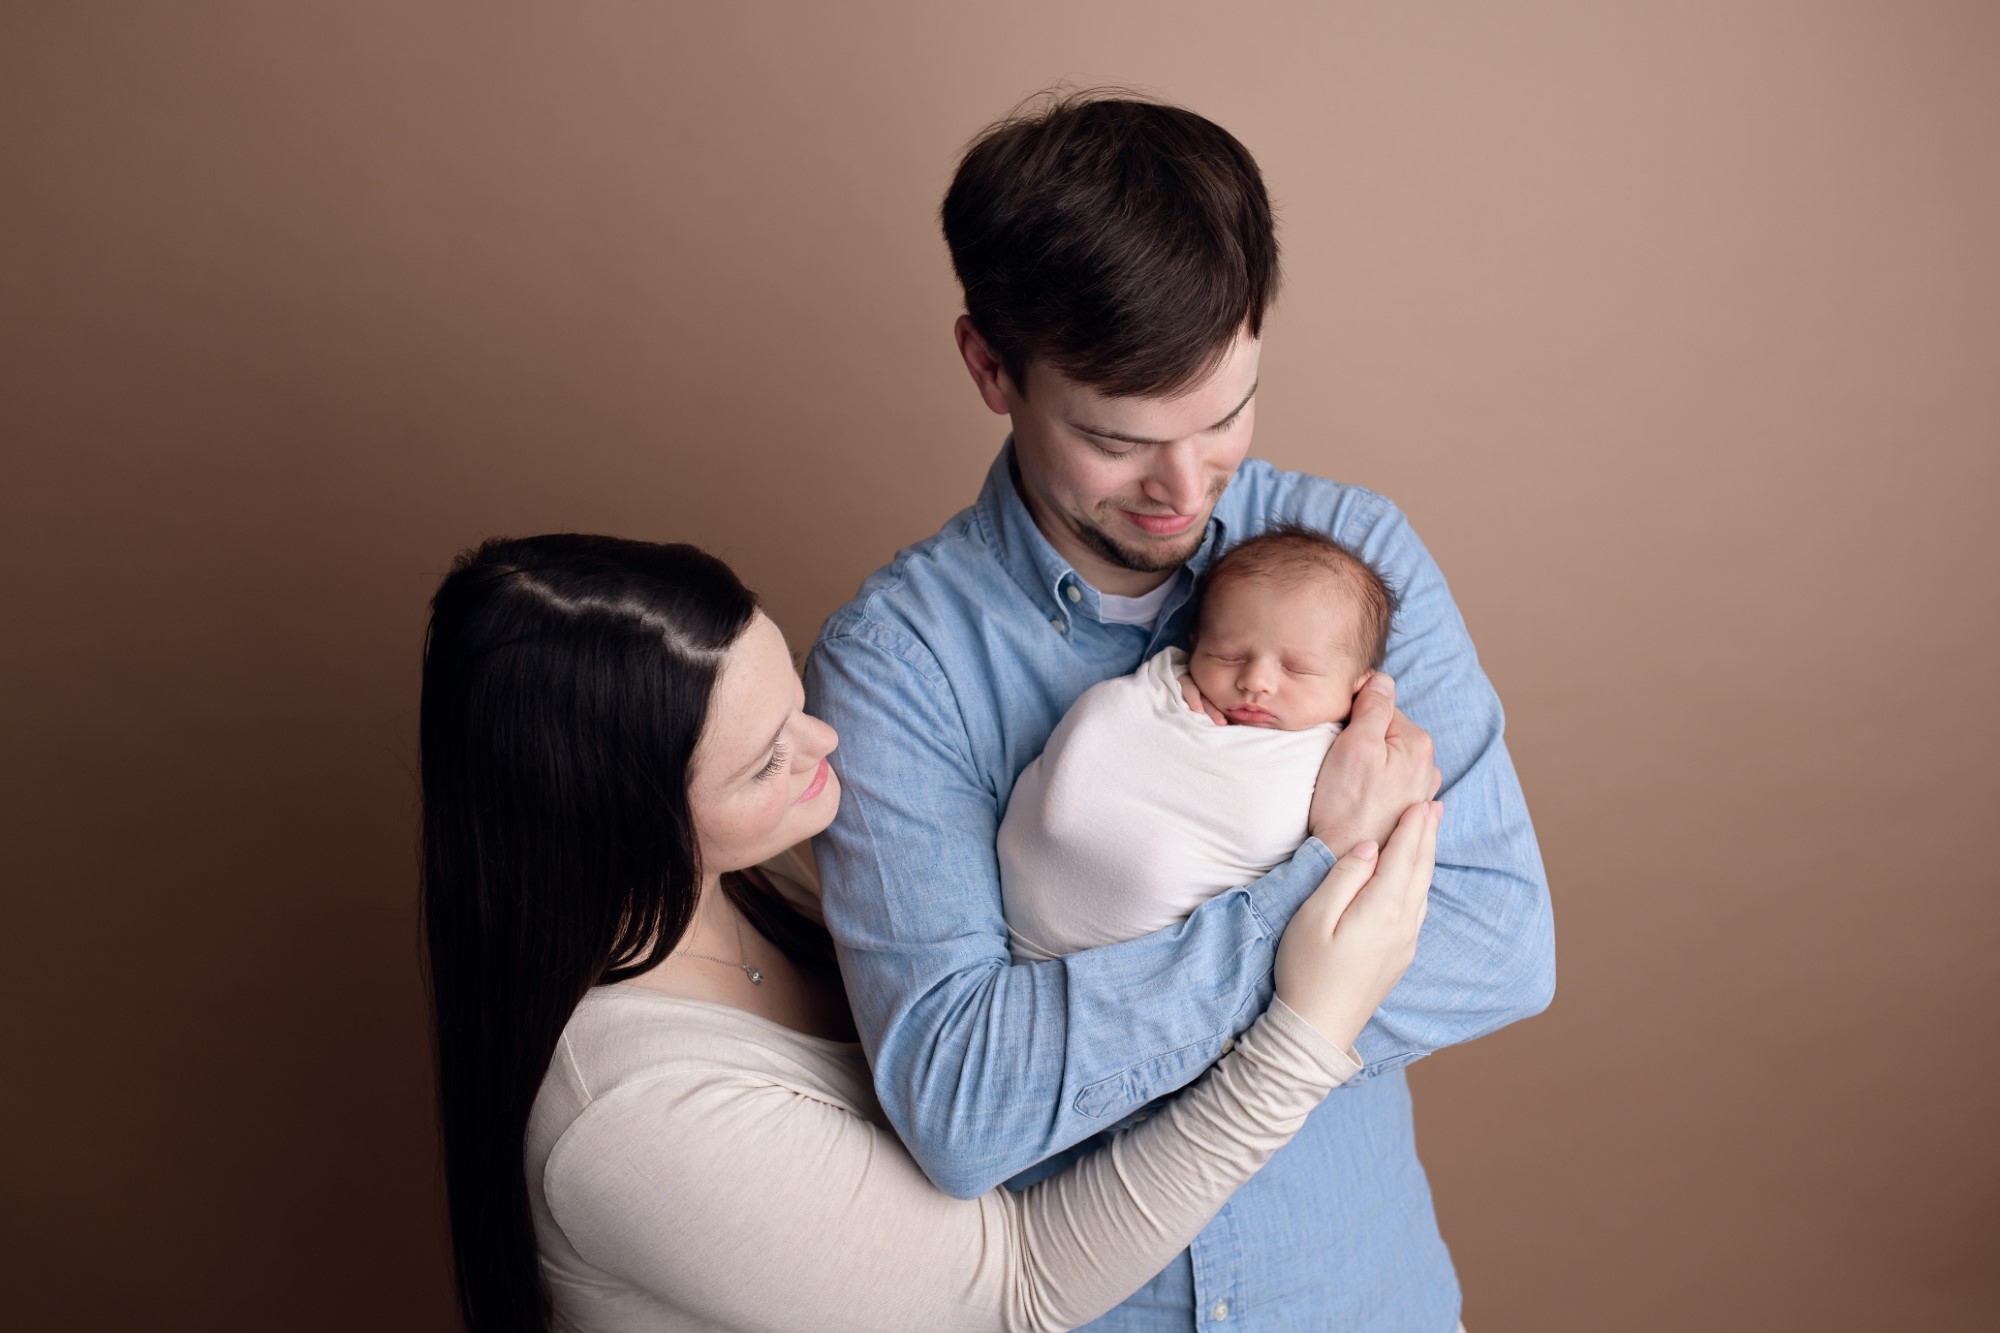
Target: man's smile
1159, 525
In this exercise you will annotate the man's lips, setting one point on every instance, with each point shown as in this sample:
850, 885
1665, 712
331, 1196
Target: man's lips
816, 786
1159, 525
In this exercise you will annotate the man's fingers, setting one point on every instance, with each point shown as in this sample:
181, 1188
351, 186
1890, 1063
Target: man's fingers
1374, 706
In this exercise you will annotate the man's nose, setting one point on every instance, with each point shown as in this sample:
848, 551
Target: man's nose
1176, 479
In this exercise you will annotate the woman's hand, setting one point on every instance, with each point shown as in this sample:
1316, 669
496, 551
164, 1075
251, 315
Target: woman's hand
1351, 942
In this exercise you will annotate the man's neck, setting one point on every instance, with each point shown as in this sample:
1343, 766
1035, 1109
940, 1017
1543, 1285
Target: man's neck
1117, 581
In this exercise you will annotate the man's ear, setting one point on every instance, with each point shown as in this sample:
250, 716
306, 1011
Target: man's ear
988, 375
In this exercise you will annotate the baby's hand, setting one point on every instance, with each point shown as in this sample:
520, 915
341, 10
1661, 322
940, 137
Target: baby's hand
1199, 702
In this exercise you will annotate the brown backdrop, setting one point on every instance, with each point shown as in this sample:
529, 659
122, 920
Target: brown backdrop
1675, 328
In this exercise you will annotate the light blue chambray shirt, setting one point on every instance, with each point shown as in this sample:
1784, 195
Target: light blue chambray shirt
944, 677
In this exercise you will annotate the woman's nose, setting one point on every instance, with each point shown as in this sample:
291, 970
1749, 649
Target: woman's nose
819, 740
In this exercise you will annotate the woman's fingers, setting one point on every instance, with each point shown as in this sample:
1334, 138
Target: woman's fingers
1426, 867
1352, 940
1399, 858
1345, 880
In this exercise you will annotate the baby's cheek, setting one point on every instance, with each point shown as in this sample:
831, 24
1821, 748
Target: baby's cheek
1327, 705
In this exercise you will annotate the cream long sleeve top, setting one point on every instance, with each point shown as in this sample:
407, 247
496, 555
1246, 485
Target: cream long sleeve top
693, 1166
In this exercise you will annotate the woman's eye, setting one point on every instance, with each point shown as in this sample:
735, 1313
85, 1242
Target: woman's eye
779, 757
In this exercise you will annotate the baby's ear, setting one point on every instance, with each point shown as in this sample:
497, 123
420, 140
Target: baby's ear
1362, 679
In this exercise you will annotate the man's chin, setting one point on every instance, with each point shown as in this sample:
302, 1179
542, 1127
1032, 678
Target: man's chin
1152, 557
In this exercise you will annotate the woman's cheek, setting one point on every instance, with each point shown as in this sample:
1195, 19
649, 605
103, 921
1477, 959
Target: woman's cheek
777, 803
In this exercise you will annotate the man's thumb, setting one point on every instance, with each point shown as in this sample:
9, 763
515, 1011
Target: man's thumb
1373, 708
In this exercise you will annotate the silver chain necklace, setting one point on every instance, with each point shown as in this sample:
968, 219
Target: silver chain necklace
756, 977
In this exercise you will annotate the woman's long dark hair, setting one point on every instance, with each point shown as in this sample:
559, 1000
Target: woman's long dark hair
566, 682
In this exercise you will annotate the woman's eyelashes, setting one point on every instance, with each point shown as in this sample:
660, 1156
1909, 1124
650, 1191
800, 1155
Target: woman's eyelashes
780, 757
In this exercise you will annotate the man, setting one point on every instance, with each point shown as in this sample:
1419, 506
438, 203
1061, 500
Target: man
1117, 259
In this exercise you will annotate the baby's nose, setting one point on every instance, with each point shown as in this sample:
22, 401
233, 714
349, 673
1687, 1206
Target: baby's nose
1255, 680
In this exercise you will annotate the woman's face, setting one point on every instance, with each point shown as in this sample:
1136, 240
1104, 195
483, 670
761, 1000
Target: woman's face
761, 781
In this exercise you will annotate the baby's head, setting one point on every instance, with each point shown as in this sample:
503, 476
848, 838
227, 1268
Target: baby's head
1291, 625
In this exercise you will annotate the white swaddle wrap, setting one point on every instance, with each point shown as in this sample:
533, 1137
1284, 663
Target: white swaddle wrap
1140, 809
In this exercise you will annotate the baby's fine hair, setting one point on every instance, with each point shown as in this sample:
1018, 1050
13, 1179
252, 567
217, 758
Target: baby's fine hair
1292, 553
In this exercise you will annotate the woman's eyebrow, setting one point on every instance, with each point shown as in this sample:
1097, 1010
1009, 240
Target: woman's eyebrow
1122, 438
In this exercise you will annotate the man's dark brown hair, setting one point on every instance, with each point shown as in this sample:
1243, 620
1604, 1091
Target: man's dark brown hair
1121, 242
1294, 553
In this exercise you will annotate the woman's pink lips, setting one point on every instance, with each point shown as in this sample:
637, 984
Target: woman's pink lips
1160, 525
817, 785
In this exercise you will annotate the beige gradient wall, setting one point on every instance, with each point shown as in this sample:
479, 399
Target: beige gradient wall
1675, 327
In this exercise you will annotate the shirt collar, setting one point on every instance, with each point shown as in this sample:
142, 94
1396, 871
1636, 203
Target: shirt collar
1035, 565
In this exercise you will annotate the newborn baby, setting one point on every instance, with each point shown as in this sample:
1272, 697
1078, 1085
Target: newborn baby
1194, 775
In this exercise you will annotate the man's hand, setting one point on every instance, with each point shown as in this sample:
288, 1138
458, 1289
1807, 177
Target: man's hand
1377, 767
1199, 701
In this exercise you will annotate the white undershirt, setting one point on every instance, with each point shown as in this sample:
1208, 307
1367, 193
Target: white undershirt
1142, 610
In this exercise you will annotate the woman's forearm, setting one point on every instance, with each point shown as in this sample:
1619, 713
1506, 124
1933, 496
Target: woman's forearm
1093, 1234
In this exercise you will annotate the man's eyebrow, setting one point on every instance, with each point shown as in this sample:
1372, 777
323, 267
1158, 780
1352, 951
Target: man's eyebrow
1234, 413
763, 755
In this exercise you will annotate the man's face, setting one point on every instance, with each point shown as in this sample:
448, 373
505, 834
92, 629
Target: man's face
1123, 487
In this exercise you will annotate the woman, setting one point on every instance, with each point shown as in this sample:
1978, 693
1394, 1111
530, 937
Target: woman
634, 1000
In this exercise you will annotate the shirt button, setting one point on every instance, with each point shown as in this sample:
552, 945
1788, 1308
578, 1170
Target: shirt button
1228, 1045
1056, 624
1220, 1312
1074, 593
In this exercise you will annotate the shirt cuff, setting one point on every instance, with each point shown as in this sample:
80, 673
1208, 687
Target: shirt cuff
1305, 1044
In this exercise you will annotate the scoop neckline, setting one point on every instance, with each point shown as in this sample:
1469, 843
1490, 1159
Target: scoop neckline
625, 988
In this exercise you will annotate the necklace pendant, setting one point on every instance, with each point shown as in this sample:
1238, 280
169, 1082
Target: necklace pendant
756, 977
